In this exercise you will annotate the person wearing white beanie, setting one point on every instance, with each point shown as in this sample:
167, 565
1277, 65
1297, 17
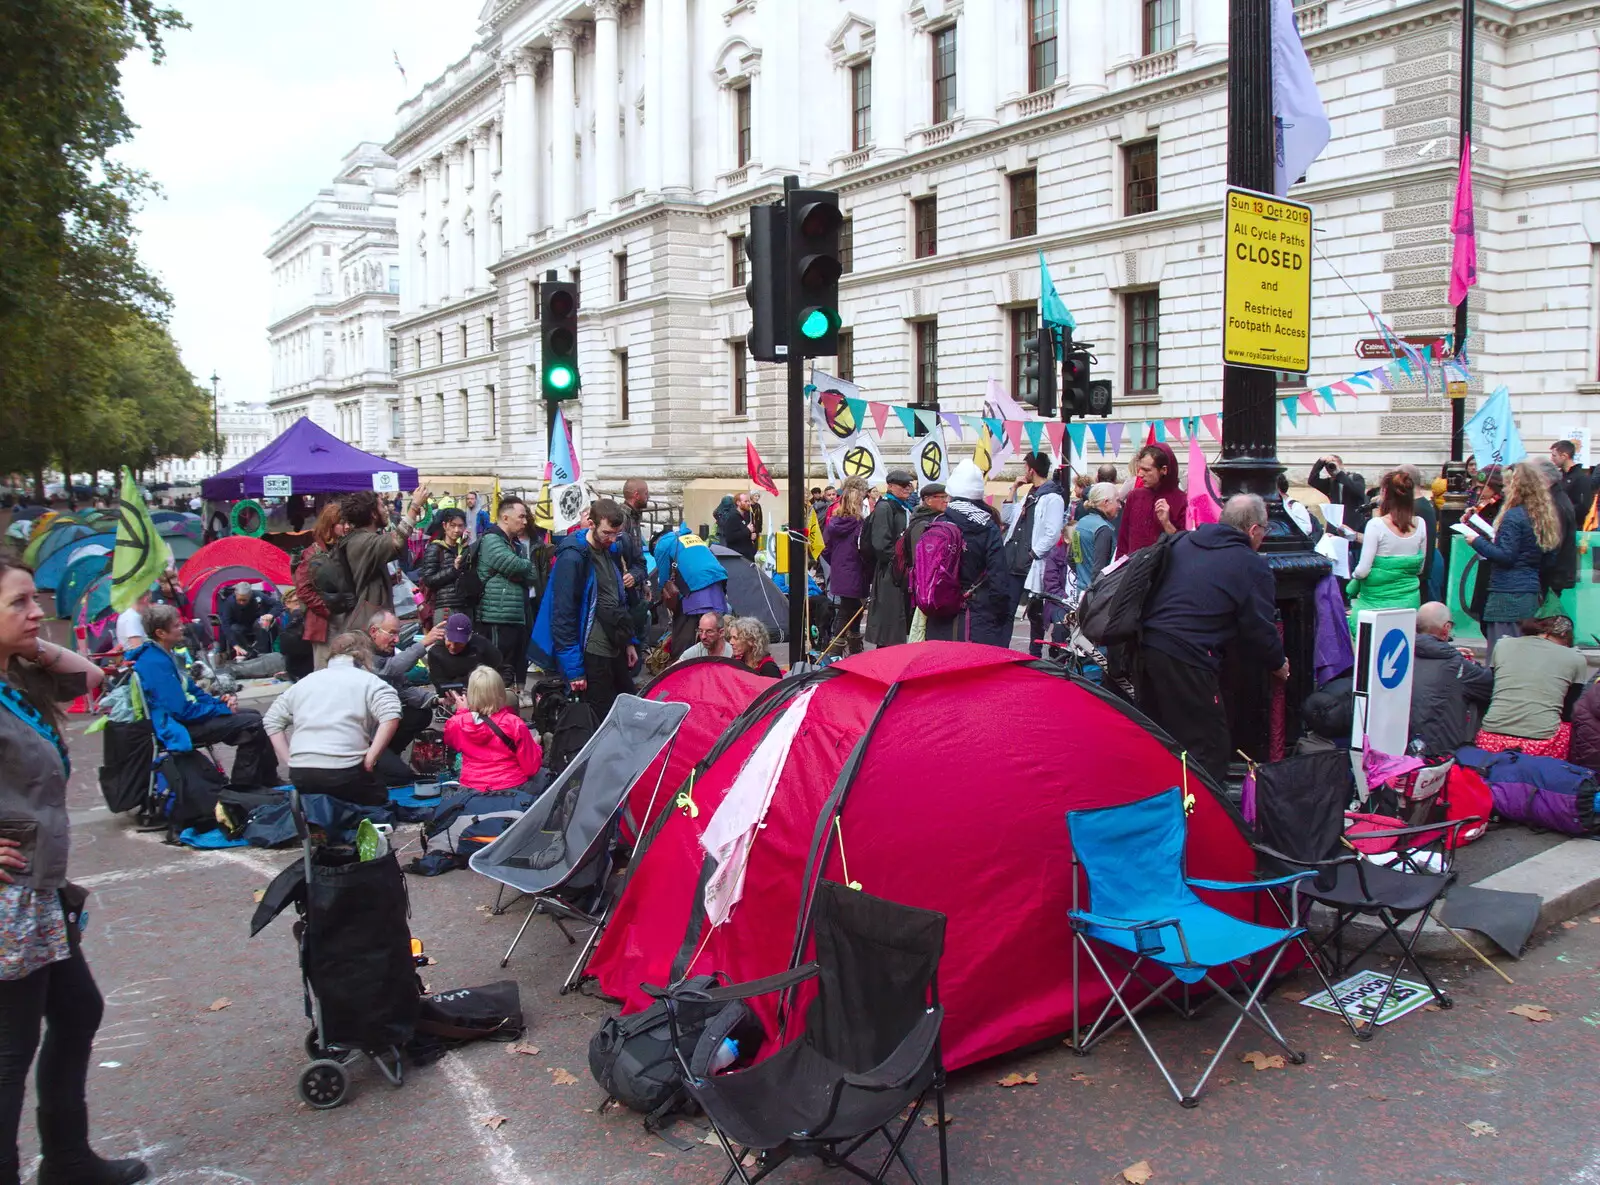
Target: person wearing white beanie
983, 565
966, 482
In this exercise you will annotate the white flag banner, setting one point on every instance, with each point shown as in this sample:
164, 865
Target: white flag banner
930, 459
998, 405
567, 505
1300, 125
861, 458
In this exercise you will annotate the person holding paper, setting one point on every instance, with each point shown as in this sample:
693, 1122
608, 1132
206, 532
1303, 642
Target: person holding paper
1393, 548
1515, 554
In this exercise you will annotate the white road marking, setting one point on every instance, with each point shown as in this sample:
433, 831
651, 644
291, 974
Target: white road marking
480, 1106
117, 875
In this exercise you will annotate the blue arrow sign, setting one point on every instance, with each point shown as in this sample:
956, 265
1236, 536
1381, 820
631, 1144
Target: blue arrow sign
1394, 656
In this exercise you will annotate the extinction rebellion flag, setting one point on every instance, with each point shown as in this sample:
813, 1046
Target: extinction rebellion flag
141, 554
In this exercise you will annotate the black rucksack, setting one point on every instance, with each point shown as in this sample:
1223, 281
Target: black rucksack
1111, 610
469, 582
576, 724
632, 1058
334, 581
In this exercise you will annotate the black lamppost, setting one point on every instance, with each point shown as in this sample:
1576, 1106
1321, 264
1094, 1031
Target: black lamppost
216, 436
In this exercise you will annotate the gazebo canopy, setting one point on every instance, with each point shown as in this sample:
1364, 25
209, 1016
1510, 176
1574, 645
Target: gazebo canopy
314, 461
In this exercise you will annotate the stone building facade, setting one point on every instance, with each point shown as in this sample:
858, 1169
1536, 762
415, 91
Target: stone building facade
623, 145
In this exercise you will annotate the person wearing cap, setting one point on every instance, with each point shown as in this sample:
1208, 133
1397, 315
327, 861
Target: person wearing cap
451, 660
889, 615
983, 565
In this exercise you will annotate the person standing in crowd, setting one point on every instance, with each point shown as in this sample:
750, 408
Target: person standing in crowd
1216, 593
507, 577
711, 638
460, 652
1331, 479
1561, 565
1449, 691
693, 579
983, 565
635, 500
475, 517
45, 981
442, 563
1526, 530
1036, 527
332, 727
394, 667
130, 625
889, 614
498, 752
1388, 574
848, 580
1155, 506
733, 525
1095, 538
1430, 526
934, 501
747, 637
186, 718
1537, 677
819, 504
329, 529
364, 555
585, 628
1574, 479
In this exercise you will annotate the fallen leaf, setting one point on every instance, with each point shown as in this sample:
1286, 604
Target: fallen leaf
1014, 1079
1293, 995
1569, 925
258, 895
494, 1122
1479, 1128
1327, 1057
1378, 1098
662, 1155
429, 961
522, 1047
1138, 1173
1226, 1081
220, 1003
1594, 921
1203, 1052
559, 1077
1534, 1012
749, 1160
1431, 1008
711, 1138
1262, 1062
1082, 1078
932, 1120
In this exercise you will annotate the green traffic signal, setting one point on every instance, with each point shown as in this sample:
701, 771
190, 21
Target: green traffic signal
560, 378
817, 324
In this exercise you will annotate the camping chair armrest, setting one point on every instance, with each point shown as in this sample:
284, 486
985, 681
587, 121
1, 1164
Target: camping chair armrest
1080, 918
735, 991
1279, 856
1277, 882
1443, 825
901, 1066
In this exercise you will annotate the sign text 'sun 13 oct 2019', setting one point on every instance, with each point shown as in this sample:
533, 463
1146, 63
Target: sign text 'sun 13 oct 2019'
1267, 283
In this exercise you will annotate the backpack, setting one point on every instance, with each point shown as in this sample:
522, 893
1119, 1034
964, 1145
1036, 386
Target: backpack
936, 570
633, 1060
334, 581
1111, 609
576, 724
469, 584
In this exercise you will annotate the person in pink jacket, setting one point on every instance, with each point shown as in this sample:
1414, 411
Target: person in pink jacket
497, 750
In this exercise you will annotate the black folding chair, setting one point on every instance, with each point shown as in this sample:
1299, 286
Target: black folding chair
870, 1047
1300, 822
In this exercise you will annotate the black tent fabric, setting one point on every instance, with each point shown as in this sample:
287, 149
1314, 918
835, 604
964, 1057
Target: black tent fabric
751, 593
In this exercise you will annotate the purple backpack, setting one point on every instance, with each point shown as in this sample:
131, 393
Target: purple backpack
936, 570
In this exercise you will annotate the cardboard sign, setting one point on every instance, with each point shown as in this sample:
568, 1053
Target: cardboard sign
387, 482
277, 485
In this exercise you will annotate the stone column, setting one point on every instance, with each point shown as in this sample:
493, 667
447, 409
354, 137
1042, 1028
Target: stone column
1211, 26
523, 152
432, 284
460, 250
563, 129
672, 130
511, 196
1086, 48
410, 226
607, 147
889, 87
652, 97
977, 96
480, 277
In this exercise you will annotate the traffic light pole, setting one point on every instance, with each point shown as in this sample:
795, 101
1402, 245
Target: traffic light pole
549, 406
799, 535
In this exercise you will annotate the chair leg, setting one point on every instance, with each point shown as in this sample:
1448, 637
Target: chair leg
576, 975
521, 930
1133, 1021
944, 1158
1251, 1010
1313, 957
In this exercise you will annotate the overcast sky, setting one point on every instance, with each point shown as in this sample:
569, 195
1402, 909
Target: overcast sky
241, 125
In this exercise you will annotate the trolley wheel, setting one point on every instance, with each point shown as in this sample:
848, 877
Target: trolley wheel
323, 1084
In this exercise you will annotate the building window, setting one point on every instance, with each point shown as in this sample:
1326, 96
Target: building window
533, 301
394, 354
1041, 44
438, 342
622, 276
494, 409
488, 333
741, 392
462, 330
738, 265
623, 410
860, 106
847, 245
741, 125
1024, 204
416, 343
394, 279
463, 415
1139, 177
925, 226
844, 362
1142, 332
1024, 329
927, 333
1160, 25
438, 406
944, 74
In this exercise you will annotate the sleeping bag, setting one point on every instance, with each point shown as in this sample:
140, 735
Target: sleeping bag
1537, 791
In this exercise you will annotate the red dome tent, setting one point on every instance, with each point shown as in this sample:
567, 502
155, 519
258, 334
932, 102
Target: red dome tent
944, 771
237, 551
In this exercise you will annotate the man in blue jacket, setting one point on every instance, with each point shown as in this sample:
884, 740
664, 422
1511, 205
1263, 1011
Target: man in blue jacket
585, 629
697, 578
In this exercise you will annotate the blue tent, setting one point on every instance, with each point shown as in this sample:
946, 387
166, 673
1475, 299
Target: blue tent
87, 565
53, 565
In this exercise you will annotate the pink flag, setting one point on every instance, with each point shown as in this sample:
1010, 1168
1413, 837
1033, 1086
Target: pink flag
1309, 402
1212, 426
1464, 256
1203, 507
880, 413
1053, 429
1343, 387
1174, 432
1014, 433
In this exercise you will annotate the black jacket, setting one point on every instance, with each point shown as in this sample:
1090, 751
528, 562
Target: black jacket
446, 669
239, 621
983, 558
1216, 591
733, 530
440, 575
1448, 696
1559, 570
1347, 489
1579, 489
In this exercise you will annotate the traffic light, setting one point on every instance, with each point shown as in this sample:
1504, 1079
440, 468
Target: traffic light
1041, 369
814, 222
1100, 397
558, 340
768, 339
1075, 382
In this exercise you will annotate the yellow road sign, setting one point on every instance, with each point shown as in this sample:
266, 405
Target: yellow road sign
1266, 285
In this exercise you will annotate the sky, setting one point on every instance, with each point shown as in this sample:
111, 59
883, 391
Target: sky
241, 124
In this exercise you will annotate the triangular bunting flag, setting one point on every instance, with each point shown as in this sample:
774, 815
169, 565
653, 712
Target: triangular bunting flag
1291, 409
1173, 431
1075, 434
830, 400
1159, 431
1326, 395
1150, 436
929, 421
1014, 433
997, 428
880, 413
951, 420
1405, 365
1308, 402
1053, 429
1098, 431
858, 409
908, 418
1213, 426
1363, 380
1035, 431
976, 424
1382, 374
1343, 388
1116, 438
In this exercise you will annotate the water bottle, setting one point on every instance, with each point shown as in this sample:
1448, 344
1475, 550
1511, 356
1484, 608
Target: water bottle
727, 1053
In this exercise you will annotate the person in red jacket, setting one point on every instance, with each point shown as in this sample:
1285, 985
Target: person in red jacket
497, 750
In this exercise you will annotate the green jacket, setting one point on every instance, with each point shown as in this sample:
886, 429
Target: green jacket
506, 577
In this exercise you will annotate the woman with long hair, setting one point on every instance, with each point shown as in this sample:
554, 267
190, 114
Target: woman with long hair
747, 638
1394, 545
441, 568
45, 982
329, 529
1526, 530
848, 578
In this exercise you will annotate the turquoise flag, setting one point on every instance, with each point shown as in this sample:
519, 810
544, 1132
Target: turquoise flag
1051, 310
908, 418
1034, 429
1492, 432
1075, 434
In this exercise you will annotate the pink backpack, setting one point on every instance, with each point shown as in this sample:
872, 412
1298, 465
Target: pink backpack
936, 570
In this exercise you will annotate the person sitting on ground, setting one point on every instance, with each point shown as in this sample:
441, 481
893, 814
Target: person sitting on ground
1388, 574
460, 652
1537, 678
1449, 691
712, 640
748, 639
497, 750
1155, 506
333, 726
185, 717
394, 667
1585, 748
130, 625
249, 621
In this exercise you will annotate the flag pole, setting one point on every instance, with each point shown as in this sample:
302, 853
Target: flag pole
1458, 407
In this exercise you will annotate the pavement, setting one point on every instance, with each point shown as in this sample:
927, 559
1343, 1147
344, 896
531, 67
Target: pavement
196, 1060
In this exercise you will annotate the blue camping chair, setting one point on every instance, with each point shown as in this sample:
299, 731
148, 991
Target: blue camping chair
1145, 907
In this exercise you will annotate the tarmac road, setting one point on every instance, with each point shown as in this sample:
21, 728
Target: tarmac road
208, 1096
